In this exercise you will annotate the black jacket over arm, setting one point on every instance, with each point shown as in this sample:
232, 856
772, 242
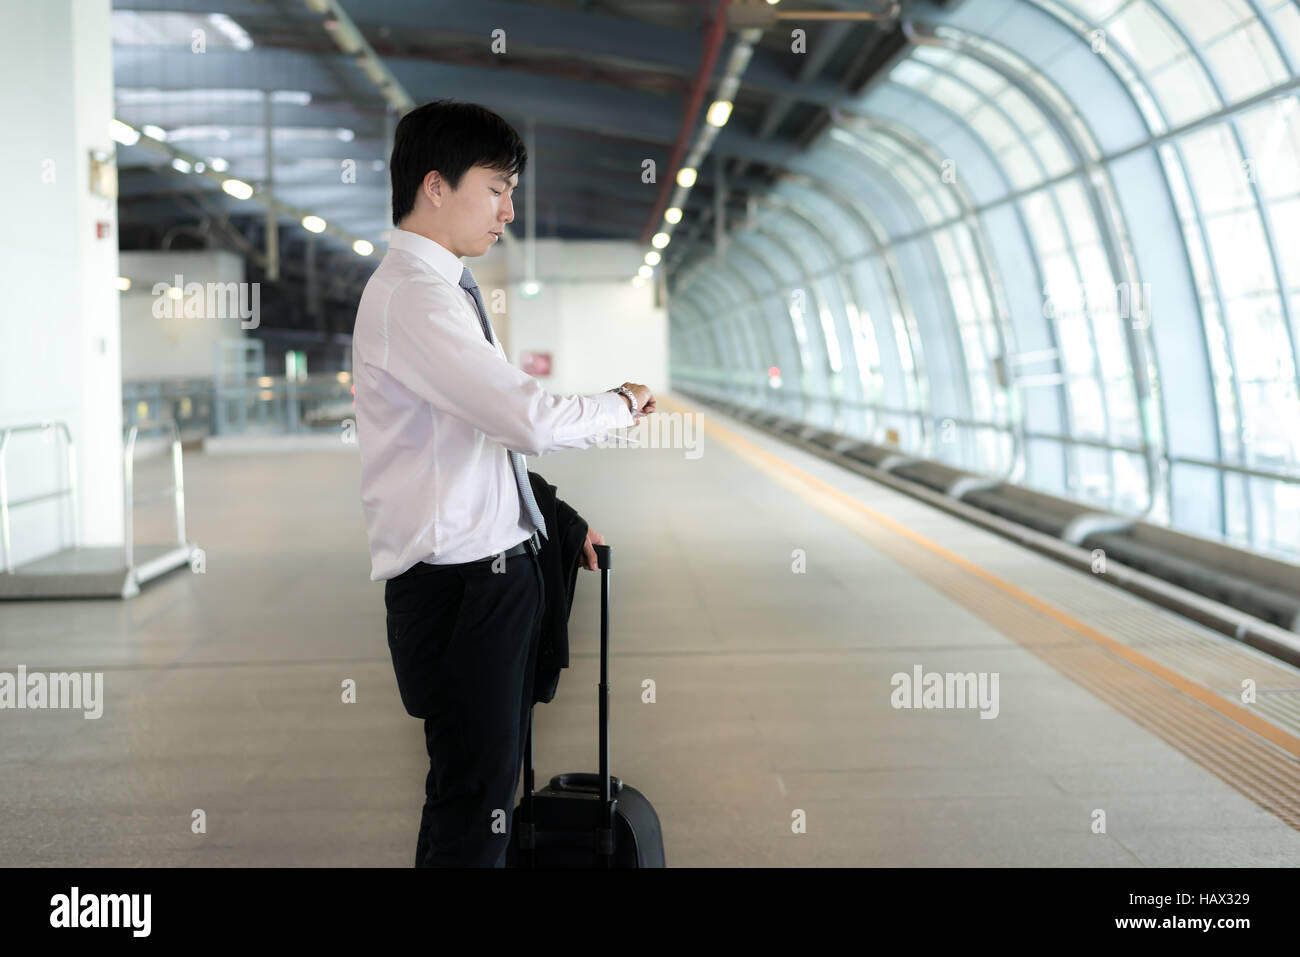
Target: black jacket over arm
560, 557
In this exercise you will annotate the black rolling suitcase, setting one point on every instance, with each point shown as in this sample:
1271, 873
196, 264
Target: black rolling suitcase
586, 820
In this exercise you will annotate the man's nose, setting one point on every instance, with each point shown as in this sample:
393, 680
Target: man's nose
509, 210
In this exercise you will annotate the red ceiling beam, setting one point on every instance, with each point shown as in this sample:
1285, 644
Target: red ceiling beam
715, 29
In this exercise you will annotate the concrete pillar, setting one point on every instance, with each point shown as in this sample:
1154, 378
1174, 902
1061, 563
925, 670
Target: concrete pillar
59, 323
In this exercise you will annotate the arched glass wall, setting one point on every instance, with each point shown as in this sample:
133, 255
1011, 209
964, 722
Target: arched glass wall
1058, 241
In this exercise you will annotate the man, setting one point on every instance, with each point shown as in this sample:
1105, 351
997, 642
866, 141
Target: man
443, 423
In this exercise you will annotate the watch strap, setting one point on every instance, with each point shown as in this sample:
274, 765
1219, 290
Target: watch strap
624, 390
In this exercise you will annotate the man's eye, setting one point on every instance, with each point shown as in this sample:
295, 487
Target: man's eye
497, 192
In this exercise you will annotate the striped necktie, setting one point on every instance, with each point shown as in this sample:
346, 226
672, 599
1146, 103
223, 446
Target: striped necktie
516, 460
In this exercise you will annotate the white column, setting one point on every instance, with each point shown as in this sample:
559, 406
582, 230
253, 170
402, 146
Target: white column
59, 323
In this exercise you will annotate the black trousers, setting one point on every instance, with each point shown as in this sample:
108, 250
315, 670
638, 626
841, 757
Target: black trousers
464, 642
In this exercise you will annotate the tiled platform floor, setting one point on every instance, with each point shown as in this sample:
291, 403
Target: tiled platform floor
772, 692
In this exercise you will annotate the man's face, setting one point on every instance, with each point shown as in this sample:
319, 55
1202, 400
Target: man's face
479, 210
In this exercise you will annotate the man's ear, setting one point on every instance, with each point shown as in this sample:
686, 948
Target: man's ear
433, 187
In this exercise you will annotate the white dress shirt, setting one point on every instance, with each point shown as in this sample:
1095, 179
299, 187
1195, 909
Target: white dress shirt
437, 408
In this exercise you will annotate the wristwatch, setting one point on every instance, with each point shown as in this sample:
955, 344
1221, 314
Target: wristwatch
631, 396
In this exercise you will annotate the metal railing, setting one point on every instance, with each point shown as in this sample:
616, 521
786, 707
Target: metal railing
268, 404
800, 403
129, 499
187, 402
283, 404
70, 490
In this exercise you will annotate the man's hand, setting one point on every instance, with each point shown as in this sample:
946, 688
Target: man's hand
589, 553
645, 399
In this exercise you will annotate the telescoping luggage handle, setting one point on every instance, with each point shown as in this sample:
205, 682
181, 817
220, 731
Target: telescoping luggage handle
604, 837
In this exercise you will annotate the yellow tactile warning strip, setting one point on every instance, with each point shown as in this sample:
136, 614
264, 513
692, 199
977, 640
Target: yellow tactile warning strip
1254, 756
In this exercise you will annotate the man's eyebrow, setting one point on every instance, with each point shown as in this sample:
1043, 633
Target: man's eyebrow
505, 179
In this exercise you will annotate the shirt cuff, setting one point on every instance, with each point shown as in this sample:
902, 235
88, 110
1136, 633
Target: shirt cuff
621, 414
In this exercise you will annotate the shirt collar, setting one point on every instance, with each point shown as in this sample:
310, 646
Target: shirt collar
444, 262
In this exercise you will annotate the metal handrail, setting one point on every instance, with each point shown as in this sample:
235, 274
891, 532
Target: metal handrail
70, 490
176, 489
1289, 476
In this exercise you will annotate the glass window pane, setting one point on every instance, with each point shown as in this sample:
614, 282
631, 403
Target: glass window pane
1241, 257
1146, 36
1021, 111
1121, 406
1048, 146
1076, 345
1286, 20
1285, 223
1062, 284
986, 80
1092, 474
797, 300
1277, 516
954, 96
910, 73
940, 57
1216, 169
1130, 482
1021, 167
1089, 419
1267, 409
947, 253
1183, 91
995, 130
980, 300
1043, 222
1205, 20
1246, 62
832, 340
1259, 340
1097, 11
961, 302
1078, 214
1271, 134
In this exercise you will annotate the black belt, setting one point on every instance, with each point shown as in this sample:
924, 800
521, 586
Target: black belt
533, 543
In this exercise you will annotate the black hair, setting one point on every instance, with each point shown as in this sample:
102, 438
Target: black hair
450, 137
